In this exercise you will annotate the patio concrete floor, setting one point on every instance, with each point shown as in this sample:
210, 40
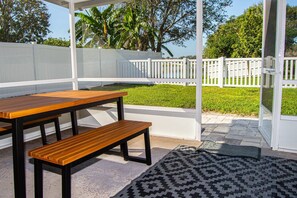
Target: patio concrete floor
107, 174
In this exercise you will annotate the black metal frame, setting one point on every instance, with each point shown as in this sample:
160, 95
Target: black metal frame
18, 139
66, 170
42, 129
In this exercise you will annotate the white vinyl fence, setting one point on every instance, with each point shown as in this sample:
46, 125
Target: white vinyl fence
33, 68
222, 72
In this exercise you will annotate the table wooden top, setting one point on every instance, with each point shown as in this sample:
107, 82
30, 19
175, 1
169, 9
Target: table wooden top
16, 107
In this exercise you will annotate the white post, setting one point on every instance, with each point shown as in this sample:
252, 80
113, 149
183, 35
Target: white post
279, 64
199, 44
149, 67
34, 65
100, 65
221, 72
73, 46
185, 70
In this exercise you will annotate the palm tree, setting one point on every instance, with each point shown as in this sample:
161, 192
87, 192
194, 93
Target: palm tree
132, 29
97, 29
125, 27
136, 29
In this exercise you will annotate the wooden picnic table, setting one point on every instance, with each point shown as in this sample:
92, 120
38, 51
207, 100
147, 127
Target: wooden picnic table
21, 109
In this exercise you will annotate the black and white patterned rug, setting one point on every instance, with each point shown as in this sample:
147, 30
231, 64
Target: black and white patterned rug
184, 172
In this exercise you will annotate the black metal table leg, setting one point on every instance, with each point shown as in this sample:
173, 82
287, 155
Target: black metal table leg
66, 181
58, 130
43, 134
120, 108
18, 159
38, 178
74, 122
147, 144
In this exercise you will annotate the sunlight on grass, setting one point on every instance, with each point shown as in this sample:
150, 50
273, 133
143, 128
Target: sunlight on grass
241, 101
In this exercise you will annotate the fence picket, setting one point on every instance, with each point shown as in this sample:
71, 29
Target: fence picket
237, 72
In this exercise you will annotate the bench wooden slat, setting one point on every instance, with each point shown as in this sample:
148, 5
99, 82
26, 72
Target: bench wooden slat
76, 147
7, 127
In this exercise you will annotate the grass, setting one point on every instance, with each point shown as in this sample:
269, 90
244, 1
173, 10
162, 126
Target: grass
241, 101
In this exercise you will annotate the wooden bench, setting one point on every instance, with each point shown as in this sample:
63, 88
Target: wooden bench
72, 151
7, 129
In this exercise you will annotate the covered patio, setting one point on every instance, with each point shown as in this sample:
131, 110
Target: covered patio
108, 174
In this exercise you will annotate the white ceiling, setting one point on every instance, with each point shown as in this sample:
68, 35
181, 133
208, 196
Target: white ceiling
82, 4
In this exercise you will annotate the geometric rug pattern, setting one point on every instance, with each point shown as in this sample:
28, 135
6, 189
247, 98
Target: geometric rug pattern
184, 172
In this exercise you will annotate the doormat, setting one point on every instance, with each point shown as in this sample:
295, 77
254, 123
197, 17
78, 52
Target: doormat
186, 173
230, 150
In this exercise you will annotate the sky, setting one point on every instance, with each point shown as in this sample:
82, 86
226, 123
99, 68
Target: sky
60, 24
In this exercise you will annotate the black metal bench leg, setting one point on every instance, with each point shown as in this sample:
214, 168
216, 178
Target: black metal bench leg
124, 149
66, 181
38, 178
147, 147
58, 130
43, 134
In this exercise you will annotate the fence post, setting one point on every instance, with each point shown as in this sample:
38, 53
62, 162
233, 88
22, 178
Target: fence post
149, 67
185, 66
34, 65
221, 72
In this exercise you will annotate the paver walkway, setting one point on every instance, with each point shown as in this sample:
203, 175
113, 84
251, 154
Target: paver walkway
232, 129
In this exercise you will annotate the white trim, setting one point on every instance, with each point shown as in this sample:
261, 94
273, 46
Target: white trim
136, 80
83, 4
280, 50
240, 59
287, 150
73, 46
265, 133
7, 142
291, 82
199, 52
35, 82
262, 65
290, 118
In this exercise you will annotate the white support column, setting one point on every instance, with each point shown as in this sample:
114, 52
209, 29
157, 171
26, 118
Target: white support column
199, 44
279, 63
73, 46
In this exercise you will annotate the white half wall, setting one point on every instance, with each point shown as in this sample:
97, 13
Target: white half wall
166, 122
288, 134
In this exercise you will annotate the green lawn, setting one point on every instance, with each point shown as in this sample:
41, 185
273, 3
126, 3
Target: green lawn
242, 101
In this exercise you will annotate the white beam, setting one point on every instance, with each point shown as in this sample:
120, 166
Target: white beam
279, 61
131, 80
73, 46
35, 82
199, 44
83, 4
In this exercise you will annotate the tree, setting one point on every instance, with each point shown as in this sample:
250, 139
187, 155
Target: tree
97, 29
242, 36
133, 28
291, 31
174, 21
249, 33
149, 24
23, 21
221, 43
57, 42
239, 37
